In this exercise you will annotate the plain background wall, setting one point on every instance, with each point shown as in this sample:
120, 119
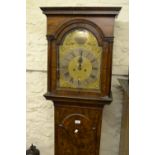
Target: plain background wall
40, 118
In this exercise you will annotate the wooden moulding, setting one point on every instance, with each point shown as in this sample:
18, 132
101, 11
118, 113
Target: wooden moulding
108, 11
81, 101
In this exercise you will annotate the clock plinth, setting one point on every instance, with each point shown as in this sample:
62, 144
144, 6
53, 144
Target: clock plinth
80, 41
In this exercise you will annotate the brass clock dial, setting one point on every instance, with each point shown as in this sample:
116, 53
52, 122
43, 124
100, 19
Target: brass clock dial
79, 68
79, 61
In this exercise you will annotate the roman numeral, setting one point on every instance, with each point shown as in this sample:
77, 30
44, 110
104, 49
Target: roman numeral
71, 80
93, 60
64, 67
94, 68
92, 76
89, 56
66, 74
87, 81
79, 82
73, 55
68, 59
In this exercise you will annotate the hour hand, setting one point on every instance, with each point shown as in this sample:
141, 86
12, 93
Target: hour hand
80, 60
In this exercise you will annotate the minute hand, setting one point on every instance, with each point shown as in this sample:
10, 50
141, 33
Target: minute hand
80, 60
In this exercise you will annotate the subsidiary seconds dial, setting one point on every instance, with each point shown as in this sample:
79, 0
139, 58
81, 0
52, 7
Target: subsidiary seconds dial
79, 67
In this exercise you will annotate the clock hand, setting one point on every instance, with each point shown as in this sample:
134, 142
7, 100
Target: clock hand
80, 60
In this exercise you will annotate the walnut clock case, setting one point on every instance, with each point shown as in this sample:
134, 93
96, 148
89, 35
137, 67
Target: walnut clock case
80, 42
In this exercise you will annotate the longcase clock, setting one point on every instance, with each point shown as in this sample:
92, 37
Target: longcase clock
80, 42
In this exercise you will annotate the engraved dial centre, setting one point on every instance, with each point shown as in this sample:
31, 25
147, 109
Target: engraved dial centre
80, 71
